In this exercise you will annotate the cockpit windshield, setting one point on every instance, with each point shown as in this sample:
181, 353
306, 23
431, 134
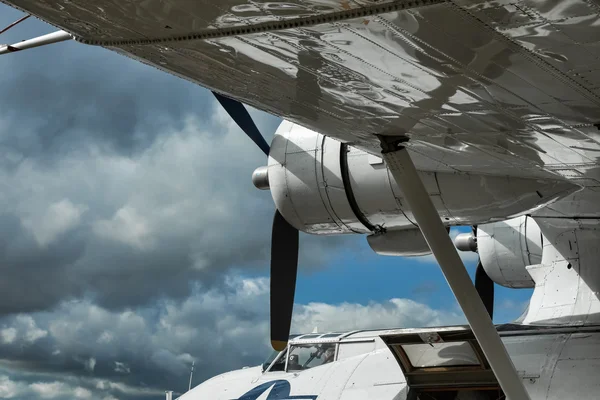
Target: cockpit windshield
305, 356
270, 359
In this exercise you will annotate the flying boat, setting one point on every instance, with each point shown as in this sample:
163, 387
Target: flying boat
401, 119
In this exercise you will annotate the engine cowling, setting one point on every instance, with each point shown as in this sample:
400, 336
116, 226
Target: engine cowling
322, 186
506, 248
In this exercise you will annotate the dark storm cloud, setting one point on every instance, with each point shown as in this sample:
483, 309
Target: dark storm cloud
129, 229
56, 98
35, 278
120, 181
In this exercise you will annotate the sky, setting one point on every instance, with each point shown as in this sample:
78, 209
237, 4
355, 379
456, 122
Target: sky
133, 243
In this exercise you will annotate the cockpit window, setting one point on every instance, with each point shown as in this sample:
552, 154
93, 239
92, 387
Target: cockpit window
278, 365
270, 359
305, 356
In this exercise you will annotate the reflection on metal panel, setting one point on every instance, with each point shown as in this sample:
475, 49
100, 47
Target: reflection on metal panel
351, 349
440, 354
496, 86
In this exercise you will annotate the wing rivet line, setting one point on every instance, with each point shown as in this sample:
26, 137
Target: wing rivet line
271, 26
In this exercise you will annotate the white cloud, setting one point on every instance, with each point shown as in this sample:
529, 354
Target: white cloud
122, 368
8, 388
105, 337
126, 226
22, 389
127, 390
82, 393
90, 364
8, 335
49, 390
24, 329
58, 218
395, 313
31, 331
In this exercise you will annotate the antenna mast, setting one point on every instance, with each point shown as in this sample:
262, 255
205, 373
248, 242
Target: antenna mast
191, 375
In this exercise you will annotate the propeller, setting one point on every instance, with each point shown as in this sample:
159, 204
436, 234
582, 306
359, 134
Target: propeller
485, 287
242, 118
284, 241
285, 244
483, 283
284, 270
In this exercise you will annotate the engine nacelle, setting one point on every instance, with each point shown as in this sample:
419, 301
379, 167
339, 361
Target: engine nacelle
322, 186
506, 248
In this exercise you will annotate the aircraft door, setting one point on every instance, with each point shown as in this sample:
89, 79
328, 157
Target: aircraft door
443, 364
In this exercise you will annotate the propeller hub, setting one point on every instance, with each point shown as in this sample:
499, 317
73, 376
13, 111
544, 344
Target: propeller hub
260, 178
466, 242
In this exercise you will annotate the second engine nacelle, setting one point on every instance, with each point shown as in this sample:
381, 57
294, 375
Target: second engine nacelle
505, 250
322, 186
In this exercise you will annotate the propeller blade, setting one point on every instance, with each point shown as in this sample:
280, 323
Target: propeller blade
242, 118
485, 287
284, 269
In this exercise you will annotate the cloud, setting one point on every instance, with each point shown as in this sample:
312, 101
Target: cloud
151, 348
58, 218
122, 367
8, 335
397, 313
126, 226
22, 389
23, 330
8, 388
127, 229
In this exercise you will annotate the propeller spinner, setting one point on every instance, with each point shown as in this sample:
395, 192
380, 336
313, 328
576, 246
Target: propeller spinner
284, 237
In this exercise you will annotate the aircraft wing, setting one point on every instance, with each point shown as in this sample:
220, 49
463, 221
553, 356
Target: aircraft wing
503, 87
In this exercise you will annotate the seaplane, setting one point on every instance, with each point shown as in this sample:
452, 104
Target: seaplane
401, 119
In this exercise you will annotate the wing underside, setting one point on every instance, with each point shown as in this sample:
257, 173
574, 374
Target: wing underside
503, 87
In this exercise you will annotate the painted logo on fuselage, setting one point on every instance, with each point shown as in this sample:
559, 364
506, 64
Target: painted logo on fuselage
280, 391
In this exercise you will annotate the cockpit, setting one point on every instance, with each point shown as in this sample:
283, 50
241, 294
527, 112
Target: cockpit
314, 350
300, 357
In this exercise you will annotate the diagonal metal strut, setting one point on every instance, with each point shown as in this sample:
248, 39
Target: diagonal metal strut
17, 22
54, 37
403, 170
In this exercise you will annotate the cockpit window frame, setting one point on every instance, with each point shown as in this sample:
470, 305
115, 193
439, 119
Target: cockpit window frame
323, 339
336, 345
282, 353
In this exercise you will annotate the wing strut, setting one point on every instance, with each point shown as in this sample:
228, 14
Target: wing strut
17, 22
403, 170
54, 37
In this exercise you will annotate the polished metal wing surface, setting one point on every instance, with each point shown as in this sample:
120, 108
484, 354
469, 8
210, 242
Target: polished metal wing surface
503, 87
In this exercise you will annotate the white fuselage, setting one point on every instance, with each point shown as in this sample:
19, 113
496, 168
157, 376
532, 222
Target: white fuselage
555, 363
